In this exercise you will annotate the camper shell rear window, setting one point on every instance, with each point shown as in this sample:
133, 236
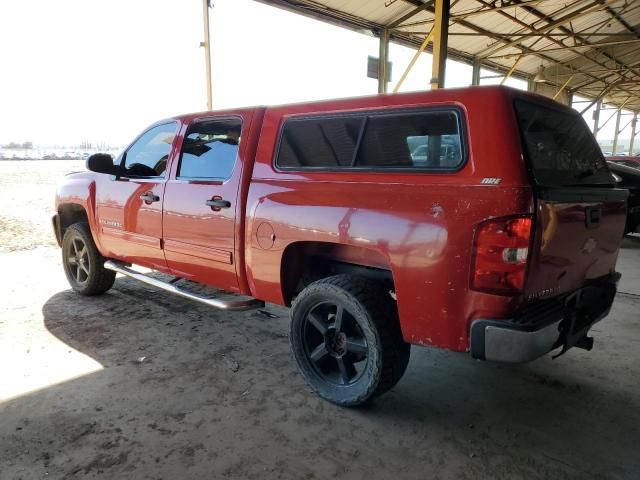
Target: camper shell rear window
559, 147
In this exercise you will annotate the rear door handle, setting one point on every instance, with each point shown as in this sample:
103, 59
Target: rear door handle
149, 197
217, 203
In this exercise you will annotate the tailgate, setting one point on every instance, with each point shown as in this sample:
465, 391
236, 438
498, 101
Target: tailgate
578, 235
580, 215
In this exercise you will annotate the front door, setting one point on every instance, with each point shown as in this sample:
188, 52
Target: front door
201, 203
129, 207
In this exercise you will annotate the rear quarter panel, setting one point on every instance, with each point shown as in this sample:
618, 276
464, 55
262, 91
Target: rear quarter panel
422, 225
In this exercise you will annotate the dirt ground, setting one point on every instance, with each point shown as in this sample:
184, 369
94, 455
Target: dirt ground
139, 384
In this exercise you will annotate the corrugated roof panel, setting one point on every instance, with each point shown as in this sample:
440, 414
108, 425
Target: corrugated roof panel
498, 34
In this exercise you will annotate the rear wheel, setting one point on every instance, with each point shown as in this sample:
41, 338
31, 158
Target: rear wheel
346, 339
83, 264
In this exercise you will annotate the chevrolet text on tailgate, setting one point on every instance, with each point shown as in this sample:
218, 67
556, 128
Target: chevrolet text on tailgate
480, 220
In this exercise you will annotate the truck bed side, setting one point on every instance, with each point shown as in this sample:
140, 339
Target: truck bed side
417, 227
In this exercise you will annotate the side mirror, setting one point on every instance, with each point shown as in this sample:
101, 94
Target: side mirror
101, 163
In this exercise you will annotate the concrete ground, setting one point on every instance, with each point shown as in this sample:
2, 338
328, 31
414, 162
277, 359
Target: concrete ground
143, 385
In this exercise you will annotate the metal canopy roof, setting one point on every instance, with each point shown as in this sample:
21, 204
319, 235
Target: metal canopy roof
591, 45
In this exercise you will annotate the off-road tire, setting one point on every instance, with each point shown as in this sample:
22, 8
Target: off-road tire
373, 310
93, 278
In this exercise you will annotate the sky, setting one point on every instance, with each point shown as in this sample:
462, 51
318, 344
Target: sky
100, 71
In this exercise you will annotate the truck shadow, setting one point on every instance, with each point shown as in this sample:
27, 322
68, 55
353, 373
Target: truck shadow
178, 375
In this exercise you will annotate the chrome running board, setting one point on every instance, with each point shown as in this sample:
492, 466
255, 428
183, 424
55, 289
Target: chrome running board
231, 305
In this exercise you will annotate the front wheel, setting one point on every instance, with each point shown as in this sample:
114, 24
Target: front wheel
346, 339
82, 262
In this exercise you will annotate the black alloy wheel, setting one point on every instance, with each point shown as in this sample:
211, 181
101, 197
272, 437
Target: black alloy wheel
346, 339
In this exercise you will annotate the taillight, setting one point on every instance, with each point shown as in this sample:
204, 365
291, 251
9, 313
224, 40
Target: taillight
501, 250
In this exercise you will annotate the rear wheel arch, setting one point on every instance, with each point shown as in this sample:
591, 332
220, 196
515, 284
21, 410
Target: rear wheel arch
346, 340
305, 262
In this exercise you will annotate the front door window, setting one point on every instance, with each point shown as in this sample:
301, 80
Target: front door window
148, 156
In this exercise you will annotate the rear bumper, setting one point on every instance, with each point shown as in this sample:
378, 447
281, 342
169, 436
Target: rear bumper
545, 325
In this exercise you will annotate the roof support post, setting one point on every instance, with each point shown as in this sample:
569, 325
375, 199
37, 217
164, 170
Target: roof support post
634, 122
531, 85
596, 118
383, 59
616, 132
475, 73
441, 27
207, 51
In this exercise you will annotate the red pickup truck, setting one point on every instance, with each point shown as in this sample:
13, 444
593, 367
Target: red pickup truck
480, 220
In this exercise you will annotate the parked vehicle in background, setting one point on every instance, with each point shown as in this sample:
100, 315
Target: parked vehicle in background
633, 162
629, 178
499, 237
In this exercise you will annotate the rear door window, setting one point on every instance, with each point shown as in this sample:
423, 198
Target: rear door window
559, 147
210, 149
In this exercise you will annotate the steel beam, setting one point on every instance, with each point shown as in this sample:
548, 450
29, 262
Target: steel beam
475, 74
570, 33
596, 118
579, 36
383, 59
584, 9
511, 70
398, 22
499, 37
600, 127
571, 47
414, 60
622, 21
634, 122
496, 8
564, 85
616, 132
548, 19
440, 38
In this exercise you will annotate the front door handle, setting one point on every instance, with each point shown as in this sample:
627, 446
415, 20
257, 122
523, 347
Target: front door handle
149, 198
216, 203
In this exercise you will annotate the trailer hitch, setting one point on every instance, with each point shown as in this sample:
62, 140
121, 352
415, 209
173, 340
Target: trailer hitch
585, 343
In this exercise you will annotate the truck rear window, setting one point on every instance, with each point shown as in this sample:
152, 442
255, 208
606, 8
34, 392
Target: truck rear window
411, 140
560, 149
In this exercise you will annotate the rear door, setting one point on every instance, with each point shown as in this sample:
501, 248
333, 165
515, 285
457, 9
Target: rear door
202, 208
580, 213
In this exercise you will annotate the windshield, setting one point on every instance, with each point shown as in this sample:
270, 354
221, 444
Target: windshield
560, 148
